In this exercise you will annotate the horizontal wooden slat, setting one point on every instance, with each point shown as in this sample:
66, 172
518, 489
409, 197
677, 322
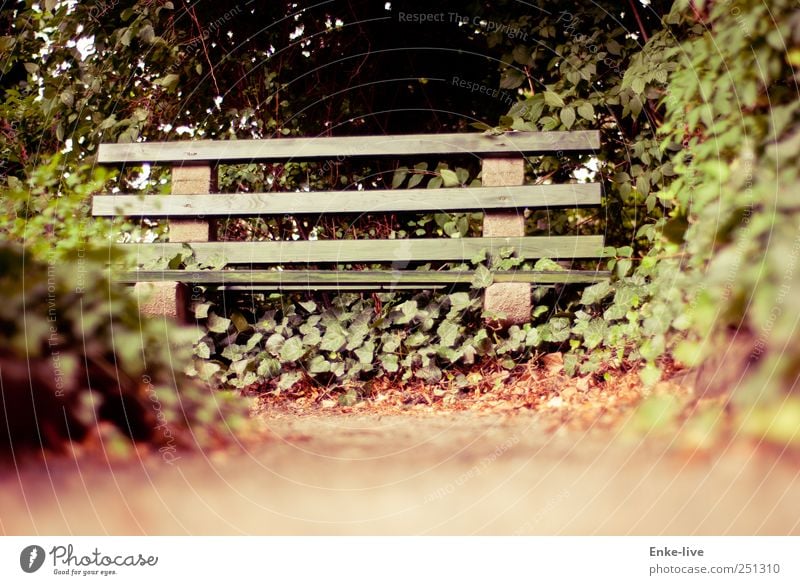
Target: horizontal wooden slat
357, 251
329, 287
256, 204
340, 147
335, 279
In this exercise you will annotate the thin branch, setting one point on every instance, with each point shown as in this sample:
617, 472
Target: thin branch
638, 20
193, 14
530, 79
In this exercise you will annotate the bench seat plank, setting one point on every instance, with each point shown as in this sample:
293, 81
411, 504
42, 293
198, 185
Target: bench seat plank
359, 251
327, 202
341, 147
338, 288
336, 279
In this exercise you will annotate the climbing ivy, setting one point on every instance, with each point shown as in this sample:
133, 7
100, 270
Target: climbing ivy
732, 104
354, 337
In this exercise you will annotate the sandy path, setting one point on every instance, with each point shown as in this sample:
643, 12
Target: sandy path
437, 474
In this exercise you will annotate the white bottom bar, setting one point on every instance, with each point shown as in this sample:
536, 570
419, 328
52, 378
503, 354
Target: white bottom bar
400, 560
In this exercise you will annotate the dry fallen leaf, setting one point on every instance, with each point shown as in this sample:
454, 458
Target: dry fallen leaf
553, 362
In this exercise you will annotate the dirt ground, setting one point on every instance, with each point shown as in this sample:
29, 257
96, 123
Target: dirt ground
421, 473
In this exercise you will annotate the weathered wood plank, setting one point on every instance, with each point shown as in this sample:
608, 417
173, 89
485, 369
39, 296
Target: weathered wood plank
327, 287
357, 251
326, 202
333, 279
340, 147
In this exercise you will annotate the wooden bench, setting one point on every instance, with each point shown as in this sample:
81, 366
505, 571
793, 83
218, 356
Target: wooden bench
502, 195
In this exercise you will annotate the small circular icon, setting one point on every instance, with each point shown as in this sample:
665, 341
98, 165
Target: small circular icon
31, 558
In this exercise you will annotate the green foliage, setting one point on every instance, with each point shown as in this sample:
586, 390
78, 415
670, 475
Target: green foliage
50, 211
722, 253
733, 107
283, 340
75, 353
83, 357
580, 69
69, 98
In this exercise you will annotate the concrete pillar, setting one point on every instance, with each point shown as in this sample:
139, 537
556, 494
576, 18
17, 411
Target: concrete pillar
512, 299
191, 180
171, 298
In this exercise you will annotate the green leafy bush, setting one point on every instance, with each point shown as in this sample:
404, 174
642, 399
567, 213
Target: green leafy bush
700, 131
335, 340
75, 352
733, 105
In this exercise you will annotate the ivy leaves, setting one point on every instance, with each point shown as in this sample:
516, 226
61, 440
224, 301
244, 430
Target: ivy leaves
482, 277
553, 99
441, 176
295, 340
292, 349
215, 323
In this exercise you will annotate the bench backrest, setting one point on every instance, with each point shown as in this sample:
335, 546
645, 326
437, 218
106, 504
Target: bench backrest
502, 197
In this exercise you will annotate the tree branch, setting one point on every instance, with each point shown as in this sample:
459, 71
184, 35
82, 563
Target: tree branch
638, 20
